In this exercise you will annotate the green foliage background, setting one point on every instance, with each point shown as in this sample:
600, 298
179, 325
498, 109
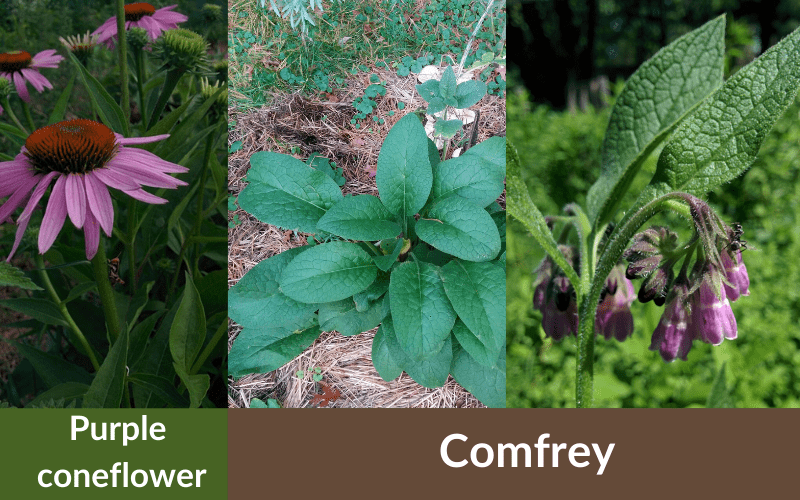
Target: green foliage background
560, 154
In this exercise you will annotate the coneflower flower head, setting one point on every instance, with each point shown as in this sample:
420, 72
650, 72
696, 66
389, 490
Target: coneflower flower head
142, 15
80, 45
82, 159
20, 67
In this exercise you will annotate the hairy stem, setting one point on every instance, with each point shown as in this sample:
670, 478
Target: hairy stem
100, 268
125, 98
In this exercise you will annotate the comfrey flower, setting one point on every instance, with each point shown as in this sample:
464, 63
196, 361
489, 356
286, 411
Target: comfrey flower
614, 318
554, 296
19, 67
673, 337
142, 15
82, 159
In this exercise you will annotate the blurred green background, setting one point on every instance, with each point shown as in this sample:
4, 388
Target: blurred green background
560, 154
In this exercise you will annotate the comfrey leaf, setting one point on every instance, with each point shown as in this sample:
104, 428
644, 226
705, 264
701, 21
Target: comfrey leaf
655, 99
404, 176
720, 140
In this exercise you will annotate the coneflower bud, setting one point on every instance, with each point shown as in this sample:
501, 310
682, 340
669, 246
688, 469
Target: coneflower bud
182, 49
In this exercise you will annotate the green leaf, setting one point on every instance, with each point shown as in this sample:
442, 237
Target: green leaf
432, 372
327, 273
385, 262
473, 345
256, 350
362, 217
447, 128
197, 385
448, 87
520, 206
287, 193
477, 175
106, 107
469, 93
428, 90
139, 335
404, 176
420, 309
54, 370
486, 384
436, 105
62, 392
161, 387
188, 330
257, 296
387, 355
107, 387
720, 395
345, 318
477, 292
461, 228
365, 299
657, 97
38, 309
11, 276
721, 139
60, 106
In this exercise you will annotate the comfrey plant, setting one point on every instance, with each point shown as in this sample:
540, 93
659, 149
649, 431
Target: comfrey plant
710, 131
425, 261
138, 329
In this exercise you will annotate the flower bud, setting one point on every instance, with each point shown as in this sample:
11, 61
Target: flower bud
656, 284
182, 49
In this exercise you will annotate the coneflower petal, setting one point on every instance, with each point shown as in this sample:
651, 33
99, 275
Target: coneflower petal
76, 199
54, 216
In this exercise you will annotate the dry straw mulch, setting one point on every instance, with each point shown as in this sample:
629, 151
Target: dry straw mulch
301, 125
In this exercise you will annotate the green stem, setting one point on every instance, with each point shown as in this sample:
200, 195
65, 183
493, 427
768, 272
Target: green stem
200, 194
140, 79
62, 307
100, 267
130, 243
125, 98
584, 385
28, 116
171, 81
208, 239
7, 109
223, 327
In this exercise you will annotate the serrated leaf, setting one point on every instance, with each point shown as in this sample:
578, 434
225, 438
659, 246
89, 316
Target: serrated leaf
188, 330
469, 93
422, 314
257, 351
257, 296
486, 384
387, 355
461, 228
106, 389
720, 140
521, 207
11, 276
477, 175
477, 292
404, 176
328, 272
447, 128
285, 192
362, 217
345, 318
656, 97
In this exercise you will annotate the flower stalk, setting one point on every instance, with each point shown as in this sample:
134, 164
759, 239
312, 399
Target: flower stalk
125, 99
100, 268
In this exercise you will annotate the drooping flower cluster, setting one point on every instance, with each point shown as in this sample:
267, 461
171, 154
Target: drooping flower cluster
698, 301
82, 159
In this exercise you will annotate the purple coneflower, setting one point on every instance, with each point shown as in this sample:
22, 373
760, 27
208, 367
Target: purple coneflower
142, 15
84, 158
18, 66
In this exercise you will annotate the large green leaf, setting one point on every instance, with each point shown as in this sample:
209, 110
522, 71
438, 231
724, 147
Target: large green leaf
432, 371
658, 95
404, 175
721, 139
344, 317
469, 93
486, 384
54, 370
422, 314
257, 350
188, 330
106, 107
521, 207
448, 87
63, 392
257, 298
477, 175
328, 272
473, 345
160, 386
387, 355
362, 218
477, 292
11, 276
287, 193
460, 227
197, 385
106, 389
38, 309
